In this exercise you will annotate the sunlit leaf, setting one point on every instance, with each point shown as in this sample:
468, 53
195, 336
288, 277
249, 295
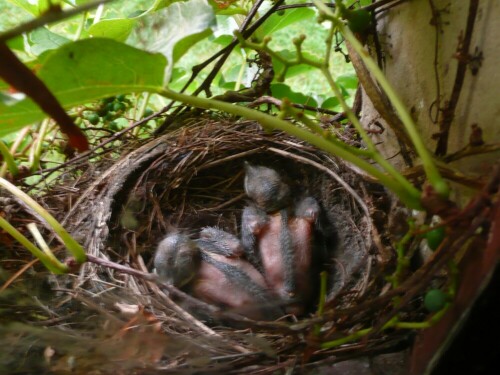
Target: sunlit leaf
16, 43
164, 28
277, 22
331, 103
348, 81
86, 70
28, 6
117, 29
281, 91
42, 40
223, 40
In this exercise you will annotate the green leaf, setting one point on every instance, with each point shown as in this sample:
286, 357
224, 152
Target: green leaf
277, 22
331, 103
280, 91
27, 6
42, 40
160, 4
16, 43
118, 29
86, 70
223, 40
348, 81
183, 45
163, 29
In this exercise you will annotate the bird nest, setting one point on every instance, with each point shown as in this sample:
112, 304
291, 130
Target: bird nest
192, 177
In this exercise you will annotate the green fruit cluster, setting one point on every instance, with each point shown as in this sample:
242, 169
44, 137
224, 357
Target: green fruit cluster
108, 110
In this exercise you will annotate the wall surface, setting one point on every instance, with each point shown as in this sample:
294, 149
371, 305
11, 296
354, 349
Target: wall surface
420, 64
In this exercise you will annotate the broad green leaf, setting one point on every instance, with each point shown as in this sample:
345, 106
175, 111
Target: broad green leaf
231, 11
86, 70
348, 81
331, 103
160, 4
280, 91
277, 22
27, 5
16, 43
42, 40
165, 28
118, 29
183, 45
223, 40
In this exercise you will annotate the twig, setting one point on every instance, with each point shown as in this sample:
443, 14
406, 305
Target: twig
331, 173
49, 17
463, 60
198, 68
470, 151
276, 102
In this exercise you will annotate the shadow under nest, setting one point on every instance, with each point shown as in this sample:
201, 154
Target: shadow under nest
192, 177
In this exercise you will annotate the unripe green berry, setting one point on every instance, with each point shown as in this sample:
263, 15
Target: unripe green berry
435, 300
434, 237
93, 118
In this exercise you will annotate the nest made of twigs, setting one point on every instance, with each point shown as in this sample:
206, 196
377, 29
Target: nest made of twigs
193, 177
189, 178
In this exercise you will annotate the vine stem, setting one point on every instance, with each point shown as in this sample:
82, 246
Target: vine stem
271, 122
8, 159
372, 151
50, 262
74, 247
427, 160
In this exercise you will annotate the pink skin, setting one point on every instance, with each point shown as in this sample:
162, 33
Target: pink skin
213, 286
301, 229
270, 254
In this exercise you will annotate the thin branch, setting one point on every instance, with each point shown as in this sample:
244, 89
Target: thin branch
49, 17
463, 60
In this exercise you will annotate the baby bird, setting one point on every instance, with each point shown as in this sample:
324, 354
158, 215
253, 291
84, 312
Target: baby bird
284, 245
220, 242
253, 222
177, 259
227, 280
302, 231
266, 188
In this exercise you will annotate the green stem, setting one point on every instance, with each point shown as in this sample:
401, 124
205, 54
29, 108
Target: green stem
8, 159
81, 27
402, 261
41, 242
393, 323
347, 339
322, 299
270, 122
367, 140
74, 247
427, 160
314, 127
15, 145
51, 263
37, 152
